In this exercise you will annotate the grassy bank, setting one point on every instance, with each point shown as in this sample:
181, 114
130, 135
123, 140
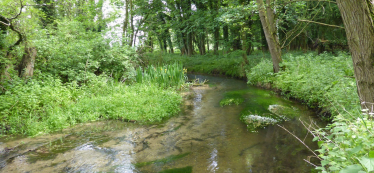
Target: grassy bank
324, 82
45, 104
231, 64
327, 82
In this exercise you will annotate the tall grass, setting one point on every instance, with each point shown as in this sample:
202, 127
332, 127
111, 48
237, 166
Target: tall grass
46, 104
230, 64
165, 76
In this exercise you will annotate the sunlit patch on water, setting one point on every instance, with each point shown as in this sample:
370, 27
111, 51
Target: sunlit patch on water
213, 161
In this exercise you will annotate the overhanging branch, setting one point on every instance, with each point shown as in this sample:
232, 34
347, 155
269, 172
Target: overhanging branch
319, 23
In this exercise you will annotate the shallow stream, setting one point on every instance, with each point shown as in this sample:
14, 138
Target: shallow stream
205, 137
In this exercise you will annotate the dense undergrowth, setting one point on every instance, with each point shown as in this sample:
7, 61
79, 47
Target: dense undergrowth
46, 104
325, 82
80, 76
230, 64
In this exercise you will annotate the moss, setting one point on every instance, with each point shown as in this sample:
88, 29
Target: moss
231, 101
233, 98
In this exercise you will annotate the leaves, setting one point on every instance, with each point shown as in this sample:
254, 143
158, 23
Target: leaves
368, 163
351, 169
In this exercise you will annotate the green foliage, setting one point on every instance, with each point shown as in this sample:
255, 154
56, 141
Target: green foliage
347, 145
231, 64
73, 53
317, 80
46, 104
172, 75
327, 82
232, 98
261, 73
231, 101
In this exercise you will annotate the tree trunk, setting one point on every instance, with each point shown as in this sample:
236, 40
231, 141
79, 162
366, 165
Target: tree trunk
358, 22
131, 24
189, 44
216, 40
207, 41
202, 43
235, 32
125, 23
225, 29
268, 23
26, 67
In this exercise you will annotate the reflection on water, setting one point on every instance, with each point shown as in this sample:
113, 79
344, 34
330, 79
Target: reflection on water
205, 137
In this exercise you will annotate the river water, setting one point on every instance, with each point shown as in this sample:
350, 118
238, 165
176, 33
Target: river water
205, 137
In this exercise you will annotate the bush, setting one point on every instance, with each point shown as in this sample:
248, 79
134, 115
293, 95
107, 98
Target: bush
72, 53
261, 74
46, 104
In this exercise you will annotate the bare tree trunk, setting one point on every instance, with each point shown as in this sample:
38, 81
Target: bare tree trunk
26, 67
358, 21
268, 24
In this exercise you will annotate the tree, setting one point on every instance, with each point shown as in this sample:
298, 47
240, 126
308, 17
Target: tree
267, 17
358, 21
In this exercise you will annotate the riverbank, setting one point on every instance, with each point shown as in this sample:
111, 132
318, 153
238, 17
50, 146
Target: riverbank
323, 81
45, 104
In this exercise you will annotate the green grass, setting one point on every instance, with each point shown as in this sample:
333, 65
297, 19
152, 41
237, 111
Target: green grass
231, 64
46, 104
320, 81
166, 76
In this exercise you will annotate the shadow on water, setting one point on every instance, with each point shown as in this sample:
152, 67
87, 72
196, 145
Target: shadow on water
205, 137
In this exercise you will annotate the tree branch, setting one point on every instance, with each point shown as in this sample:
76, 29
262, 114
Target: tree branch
20, 11
319, 23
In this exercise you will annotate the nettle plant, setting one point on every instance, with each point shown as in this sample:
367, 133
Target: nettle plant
347, 145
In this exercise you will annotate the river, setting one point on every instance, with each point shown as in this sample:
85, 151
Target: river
204, 137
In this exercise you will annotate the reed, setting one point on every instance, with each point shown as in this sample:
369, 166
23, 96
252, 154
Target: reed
165, 76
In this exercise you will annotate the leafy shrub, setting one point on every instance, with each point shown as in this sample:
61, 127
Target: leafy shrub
347, 145
72, 53
261, 73
46, 104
